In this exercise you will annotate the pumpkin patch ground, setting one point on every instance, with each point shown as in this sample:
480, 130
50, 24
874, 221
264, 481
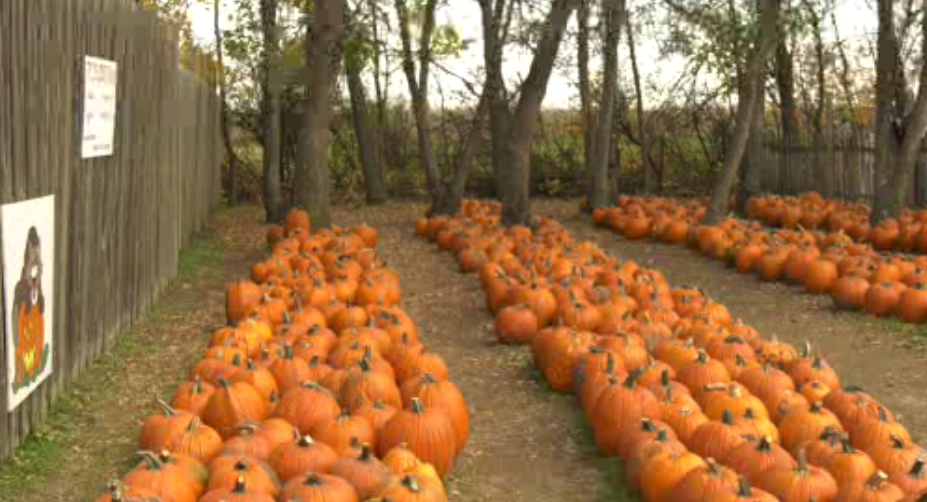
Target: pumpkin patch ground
526, 444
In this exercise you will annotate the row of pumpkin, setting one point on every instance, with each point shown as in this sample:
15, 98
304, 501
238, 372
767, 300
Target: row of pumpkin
907, 233
699, 406
855, 275
318, 390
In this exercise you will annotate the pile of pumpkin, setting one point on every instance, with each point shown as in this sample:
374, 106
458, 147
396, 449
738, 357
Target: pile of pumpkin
699, 406
318, 390
908, 233
855, 275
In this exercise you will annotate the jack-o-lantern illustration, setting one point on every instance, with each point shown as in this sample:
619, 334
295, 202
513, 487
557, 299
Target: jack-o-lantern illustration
31, 348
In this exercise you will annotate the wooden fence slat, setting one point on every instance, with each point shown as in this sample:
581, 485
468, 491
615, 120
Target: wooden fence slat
121, 219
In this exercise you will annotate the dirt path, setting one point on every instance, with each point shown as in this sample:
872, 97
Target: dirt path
527, 443
885, 357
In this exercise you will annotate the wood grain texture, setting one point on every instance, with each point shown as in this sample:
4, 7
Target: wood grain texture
121, 220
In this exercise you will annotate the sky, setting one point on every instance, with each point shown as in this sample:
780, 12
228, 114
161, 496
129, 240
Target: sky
856, 21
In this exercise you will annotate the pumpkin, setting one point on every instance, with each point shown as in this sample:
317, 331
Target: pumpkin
618, 406
704, 483
341, 431
870, 432
646, 448
241, 297
377, 413
426, 431
806, 425
444, 395
161, 428
241, 492
233, 405
400, 459
851, 405
876, 489
912, 305
745, 492
801, 483
850, 292
366, 473
192, 396
197, 440
414, 488
316, 487
661, 473
895, 456
716, 438
164, 480
516, 324
230, 471
751, 459
913, 482
882, 298
363, 385
703, 371
304, 454
849, 466
258, 377
307, 406
635, 434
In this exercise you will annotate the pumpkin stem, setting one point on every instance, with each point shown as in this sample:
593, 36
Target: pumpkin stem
918, 469
735, 392
897, 442
876, 480
194, 424
743, 487
702, 357
802, 467
817, 407
428, 379
304, 440
664, 378
166, 408
239, 486
631, 381
366, 452
847, 447
883, 417
315, 362
241, 466
410, 483
417, 406
662, 436
609, 363
765, 445
313, 480
749, 415
727, 418
151, 460
647, 425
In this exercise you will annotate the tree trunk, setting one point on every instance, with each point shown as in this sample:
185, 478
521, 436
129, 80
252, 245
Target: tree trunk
224, 118
599, 191
418, 90
650, 178
374, 180
887, 142
762, 50
454, 192
496, 20
515, 198
752, 167
785, 82
819, 115
585, 89
271, 90
914, 130
323, 61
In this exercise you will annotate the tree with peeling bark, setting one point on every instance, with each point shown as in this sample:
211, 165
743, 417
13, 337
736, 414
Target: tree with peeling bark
762, 50
899, 131
650, 176
496, 21
224, 113
613, 11
325, 35
271, 89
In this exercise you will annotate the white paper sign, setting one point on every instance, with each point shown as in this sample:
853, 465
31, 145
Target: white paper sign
100, 77
27, 230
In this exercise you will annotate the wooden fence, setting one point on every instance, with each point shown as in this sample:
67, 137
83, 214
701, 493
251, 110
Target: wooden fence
845, 169
121, 220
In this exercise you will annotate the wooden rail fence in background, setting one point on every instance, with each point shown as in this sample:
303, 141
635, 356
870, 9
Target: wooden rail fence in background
120, 220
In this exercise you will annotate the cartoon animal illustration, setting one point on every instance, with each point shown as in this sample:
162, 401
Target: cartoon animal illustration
28, 316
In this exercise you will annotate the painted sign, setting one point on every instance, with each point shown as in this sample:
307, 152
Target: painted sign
100, 76
27, 233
